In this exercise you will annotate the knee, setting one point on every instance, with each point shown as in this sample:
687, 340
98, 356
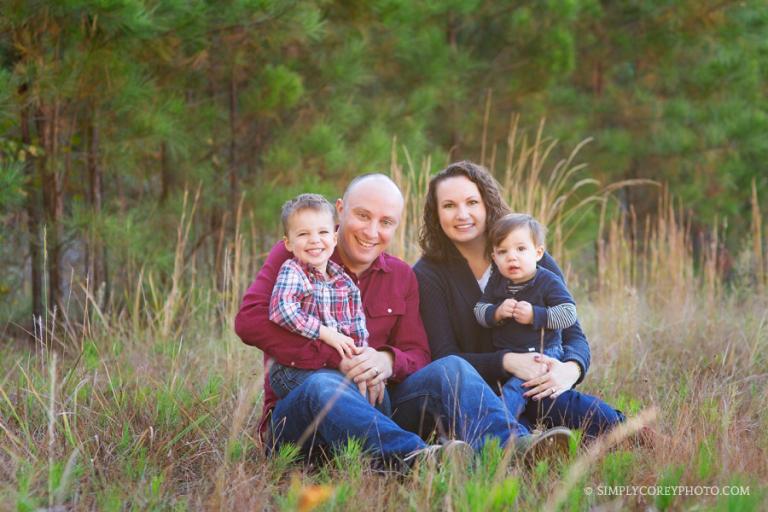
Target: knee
322, 385
454, 365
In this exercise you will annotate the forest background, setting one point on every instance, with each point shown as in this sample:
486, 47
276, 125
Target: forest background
146, 148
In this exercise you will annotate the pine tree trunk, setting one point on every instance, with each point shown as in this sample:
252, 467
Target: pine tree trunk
96, 251
52, 187
232, 144
33, 214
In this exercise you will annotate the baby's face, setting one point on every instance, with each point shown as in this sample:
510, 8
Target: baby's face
311, 237
517, 255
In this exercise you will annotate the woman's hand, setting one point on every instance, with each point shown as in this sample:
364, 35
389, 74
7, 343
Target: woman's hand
559, 378
524, 365
368, 368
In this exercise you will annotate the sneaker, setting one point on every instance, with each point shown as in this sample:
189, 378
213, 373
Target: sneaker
454, 451
550, 444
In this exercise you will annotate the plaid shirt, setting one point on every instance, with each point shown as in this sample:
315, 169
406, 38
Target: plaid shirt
303, 300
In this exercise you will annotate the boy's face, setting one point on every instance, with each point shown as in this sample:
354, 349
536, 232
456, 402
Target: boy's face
517, 254
311, 237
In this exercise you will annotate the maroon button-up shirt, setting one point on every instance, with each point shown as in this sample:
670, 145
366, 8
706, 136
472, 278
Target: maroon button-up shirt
390, 296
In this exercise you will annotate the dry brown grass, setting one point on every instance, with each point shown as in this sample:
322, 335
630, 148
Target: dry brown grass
155, 407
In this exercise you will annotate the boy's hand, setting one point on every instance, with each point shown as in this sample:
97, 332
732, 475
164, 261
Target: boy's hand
505, 310
343, 344
523, 312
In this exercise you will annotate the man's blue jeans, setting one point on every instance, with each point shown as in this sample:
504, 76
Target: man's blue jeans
447, 394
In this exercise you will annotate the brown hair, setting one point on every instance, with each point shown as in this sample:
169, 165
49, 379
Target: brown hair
435, 245
305, 202
508, 223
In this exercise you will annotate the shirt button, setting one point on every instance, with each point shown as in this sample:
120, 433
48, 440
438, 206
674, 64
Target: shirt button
389, 310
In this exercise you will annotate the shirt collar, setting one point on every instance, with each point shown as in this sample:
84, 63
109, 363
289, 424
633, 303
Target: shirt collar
381, 263
333, 269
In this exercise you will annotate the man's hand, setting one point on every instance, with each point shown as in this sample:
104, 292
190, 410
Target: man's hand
523, 312
376, 393
344, 345
505, 310
368, 368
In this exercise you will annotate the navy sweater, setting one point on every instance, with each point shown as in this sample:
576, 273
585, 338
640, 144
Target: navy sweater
448, 293
544, 290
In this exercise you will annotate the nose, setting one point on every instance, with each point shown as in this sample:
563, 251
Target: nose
462, 211
371, 231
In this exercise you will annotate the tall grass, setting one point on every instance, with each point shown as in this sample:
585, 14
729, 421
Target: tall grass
154, 406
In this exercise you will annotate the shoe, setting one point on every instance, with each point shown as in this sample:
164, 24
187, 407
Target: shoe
453, 451
550, 444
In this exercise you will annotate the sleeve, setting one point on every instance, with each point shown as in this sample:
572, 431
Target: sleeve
443, 341
559, 308
359, 331
253, 326
408, 341
285, 304
485, 309
575, 344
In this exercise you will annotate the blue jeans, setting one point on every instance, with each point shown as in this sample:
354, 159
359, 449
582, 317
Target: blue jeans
448, 394
284, 379
326, 409
512, 391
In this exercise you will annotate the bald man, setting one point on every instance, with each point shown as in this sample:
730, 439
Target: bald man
337, 401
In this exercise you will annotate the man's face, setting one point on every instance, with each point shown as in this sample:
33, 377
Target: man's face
367, 220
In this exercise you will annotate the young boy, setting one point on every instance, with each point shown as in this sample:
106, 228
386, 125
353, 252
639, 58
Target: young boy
526, 306
313, 296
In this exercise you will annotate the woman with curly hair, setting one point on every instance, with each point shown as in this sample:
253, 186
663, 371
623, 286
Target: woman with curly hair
463, 202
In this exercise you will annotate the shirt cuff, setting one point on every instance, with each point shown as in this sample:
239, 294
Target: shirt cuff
539, 317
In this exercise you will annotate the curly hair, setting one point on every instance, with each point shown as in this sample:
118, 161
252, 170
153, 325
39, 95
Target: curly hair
435, 245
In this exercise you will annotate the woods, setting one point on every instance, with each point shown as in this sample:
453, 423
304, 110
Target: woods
111, 110
146, 147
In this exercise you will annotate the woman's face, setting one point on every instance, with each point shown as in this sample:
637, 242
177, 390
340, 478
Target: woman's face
460, 209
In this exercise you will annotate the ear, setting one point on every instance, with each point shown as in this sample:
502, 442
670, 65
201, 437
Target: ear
339, 206
287, 244
539, 252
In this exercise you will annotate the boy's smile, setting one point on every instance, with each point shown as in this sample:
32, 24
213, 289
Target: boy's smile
311, 237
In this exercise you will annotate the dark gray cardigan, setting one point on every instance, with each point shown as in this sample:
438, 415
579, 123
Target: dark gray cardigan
447, 295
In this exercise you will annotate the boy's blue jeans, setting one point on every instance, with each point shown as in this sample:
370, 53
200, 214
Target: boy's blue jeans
512, 391
327, 409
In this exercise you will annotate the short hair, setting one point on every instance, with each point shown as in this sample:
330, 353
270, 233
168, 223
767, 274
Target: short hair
305, 202
509, 223
435, 245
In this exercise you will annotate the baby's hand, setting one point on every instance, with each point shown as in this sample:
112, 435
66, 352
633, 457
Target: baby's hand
505, 310
523, 312
343, 344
